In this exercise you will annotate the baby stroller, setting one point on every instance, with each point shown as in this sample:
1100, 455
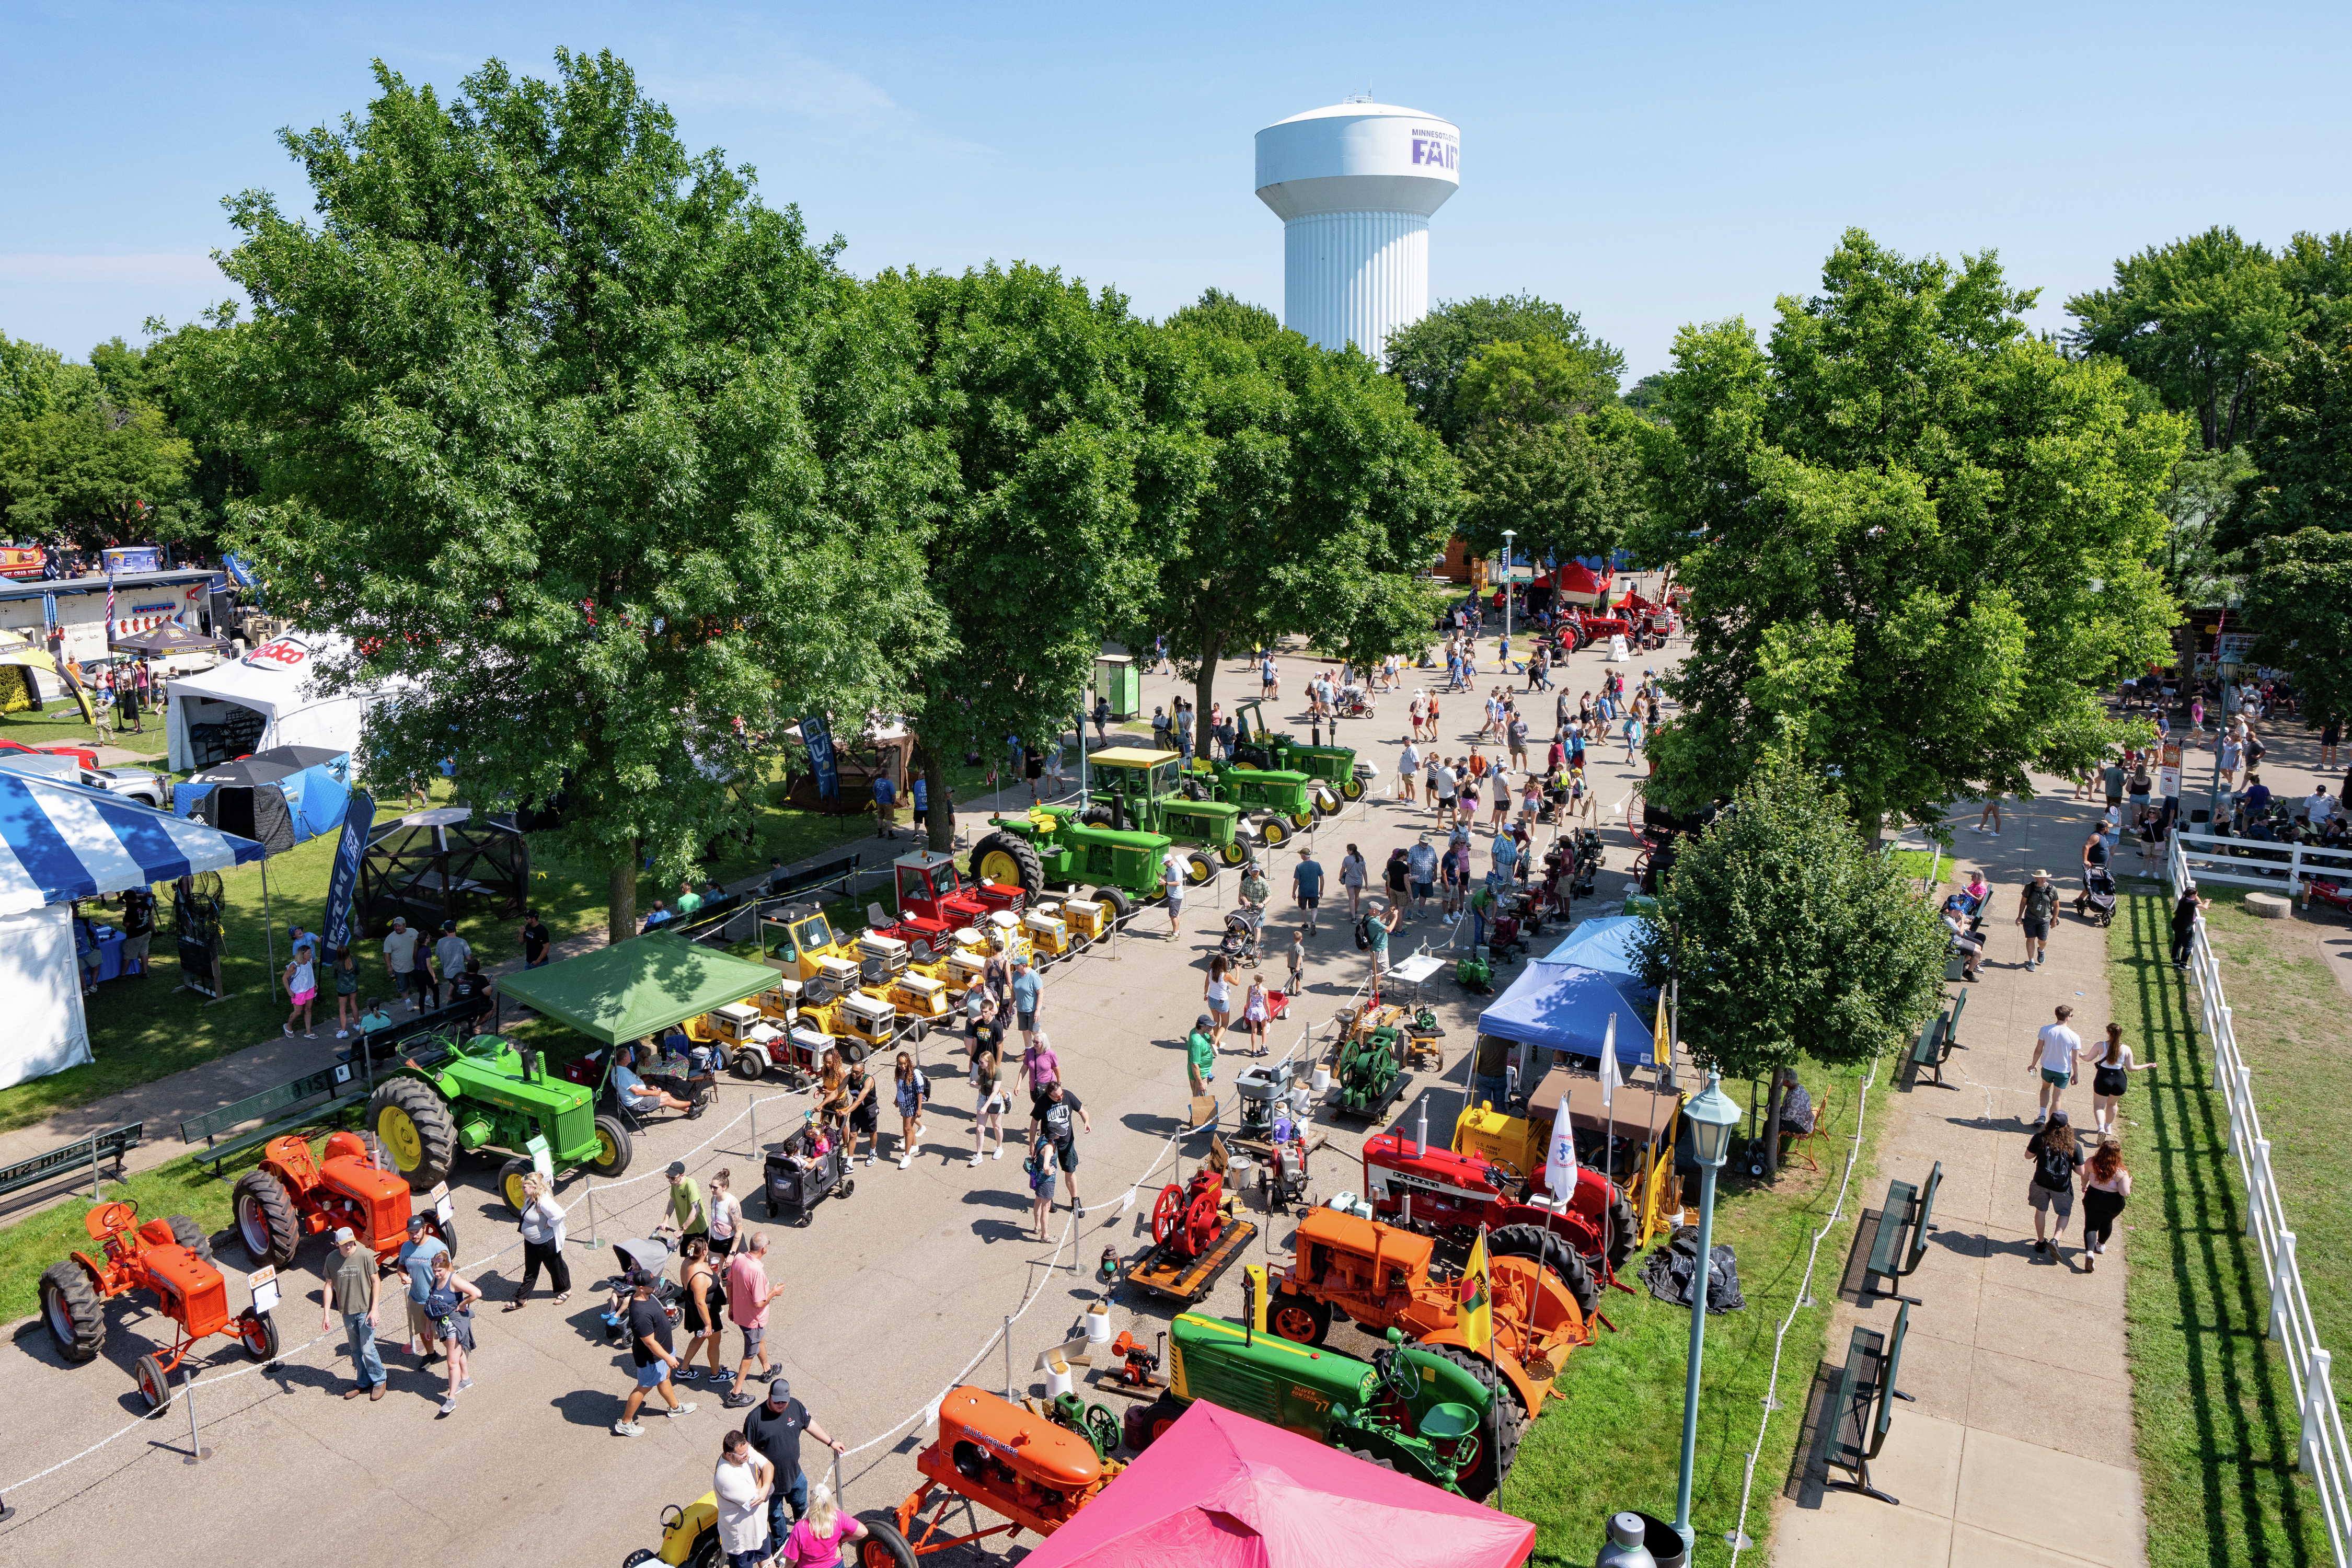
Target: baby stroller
1242, 933
2097, 899
1352, 703
650, 1255
802, 1172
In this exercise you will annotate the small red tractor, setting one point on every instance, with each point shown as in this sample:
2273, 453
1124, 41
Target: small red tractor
1188, 1219
1437, 1191
169, 1259
289, 1196
1580, 628
934, 904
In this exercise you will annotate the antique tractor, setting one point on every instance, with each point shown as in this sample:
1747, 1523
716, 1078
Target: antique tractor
1333, 767
289, 1196
1274, 801
1374, 1050
1052, 847
1141, 788
806, 950
934, 905
447, 1098
1380, 1276
1188, 1219
1410, 1408
1031, 1470
171, 1260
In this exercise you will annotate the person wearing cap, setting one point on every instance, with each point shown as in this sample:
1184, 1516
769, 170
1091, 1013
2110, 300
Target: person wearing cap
353, 1289
687, 1214
649, 1346
774, 1429
416, 1256
1420, 870
449, 953
1307, 885
2057, 1155
2037, 908
1027, 992
400, 963
1379, 923
1200, 1054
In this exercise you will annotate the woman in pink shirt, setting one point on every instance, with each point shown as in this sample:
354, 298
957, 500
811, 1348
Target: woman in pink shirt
817, 1540
1039, 1066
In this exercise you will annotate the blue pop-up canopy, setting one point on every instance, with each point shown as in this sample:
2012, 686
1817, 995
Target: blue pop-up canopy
1604, 942
1562, 1002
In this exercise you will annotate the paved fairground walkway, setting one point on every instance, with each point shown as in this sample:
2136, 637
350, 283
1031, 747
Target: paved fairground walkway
2017, 1448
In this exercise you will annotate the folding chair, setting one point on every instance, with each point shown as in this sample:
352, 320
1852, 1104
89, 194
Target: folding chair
1796, 1142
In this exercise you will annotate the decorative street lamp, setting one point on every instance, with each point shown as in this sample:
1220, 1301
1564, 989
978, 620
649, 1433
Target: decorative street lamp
1712, 1115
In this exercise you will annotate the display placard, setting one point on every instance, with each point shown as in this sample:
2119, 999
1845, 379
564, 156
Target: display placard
443, 1209
2168, 772
543, 1158
263, 1283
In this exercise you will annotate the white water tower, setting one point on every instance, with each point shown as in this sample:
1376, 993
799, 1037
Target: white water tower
1354, 185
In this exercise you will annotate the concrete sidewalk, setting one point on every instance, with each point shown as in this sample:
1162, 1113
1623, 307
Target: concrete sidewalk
2019, 1447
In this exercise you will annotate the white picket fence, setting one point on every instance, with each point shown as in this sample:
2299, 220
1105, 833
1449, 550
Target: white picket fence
2207, 860
2323, 1454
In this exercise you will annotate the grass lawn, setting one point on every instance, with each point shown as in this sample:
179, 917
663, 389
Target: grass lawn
60, 724
1614, 1439
2213, 1403
30, 1245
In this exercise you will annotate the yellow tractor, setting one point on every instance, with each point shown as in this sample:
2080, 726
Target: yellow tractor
807, 949
887, 976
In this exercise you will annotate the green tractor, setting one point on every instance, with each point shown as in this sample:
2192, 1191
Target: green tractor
1420, 1412
1274, 803
1053, 847
447, 1097
1333, 768
1135, 787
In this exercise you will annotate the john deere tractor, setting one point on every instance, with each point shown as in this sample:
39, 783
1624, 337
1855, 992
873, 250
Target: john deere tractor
448, 1098
1332, 767
1053, 847
1135, 787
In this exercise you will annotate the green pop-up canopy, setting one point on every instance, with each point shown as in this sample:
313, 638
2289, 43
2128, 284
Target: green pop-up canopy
637, 987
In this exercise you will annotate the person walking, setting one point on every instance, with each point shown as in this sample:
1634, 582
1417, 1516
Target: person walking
909, 1090
1200, 1055
1218, 993
2185, 913
450, 1305
1380, 923
2055, 1155
534, 940
2106, 1185
346, 974
542, 1243
1990, 812
687, 1214
355, 1291
2056, 1049
1443, 790
2110, 1077
1172, 882
1258, 1011
650, 1349
774, 1428
698, 1314
861, 1119
1408, 772
726, 1213
1050, 1113
989, 1102
449, 954
1354, 872
415, 1260
1028, 992
2037, 909
1307, 885
744, 1483
301, 982
748, 1295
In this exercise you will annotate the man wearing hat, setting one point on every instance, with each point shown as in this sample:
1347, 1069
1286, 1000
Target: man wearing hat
1200, 1054
353, 1289
649, 1347
775, 1428
416, 1256
2037, 907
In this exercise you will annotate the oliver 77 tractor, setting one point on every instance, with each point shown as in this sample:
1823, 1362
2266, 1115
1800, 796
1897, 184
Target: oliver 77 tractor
168, 1258
447, 1098
1051, 847
1410, 1409
1137, 787
1257, 746
289, 1196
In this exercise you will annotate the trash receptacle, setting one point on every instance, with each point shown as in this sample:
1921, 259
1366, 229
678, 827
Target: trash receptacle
1638, 1539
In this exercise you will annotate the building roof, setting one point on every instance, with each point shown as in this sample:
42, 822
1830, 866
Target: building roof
14, 588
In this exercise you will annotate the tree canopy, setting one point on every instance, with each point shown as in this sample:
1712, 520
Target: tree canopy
86, 455
1431, 355
1914, 527
2299, 598
2304, 454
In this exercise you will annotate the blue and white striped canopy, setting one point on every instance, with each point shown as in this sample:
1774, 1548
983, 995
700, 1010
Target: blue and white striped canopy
60, 842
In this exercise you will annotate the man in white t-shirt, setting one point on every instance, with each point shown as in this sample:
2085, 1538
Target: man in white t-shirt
2055, 1051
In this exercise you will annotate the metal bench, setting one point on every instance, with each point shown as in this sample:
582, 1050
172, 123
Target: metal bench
810, 875
1901, 1244
383, 1043
74, 1158
1864, 1407
278, 1109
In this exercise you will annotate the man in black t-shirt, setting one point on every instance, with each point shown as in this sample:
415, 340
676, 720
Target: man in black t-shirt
534, 940
471, 985
649, 1345
774, 1428
138, 930
1050, 1108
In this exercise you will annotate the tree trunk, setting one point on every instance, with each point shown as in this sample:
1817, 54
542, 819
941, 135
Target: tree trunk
621, 898
1202, 684
1772, 1127
939, 819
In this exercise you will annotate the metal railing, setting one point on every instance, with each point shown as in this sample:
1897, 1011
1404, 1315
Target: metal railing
2322, 1453
2256, 863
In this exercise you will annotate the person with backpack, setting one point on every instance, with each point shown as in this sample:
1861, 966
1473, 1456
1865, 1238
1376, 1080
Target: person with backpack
2055, 1157
910, 1089
2037, 910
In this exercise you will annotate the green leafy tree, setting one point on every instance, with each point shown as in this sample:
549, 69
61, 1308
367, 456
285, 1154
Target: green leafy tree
1036, 393
2303, 453
1431, 355
1787, 937
96, 474
2204, 488
581, 442
1571, 486
2300, 599
1304, 492
1914, 527
35, 380
151, 376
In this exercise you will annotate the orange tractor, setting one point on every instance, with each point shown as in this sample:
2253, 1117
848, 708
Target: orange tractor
1033, 1471
289, 1196
1378, 1276
171, 1260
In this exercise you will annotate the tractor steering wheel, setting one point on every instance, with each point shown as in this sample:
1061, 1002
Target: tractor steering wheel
1391, 1371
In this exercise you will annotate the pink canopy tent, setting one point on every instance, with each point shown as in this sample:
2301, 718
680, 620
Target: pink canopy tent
1221, 1490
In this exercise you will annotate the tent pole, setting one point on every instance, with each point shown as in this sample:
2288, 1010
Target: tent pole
268, 927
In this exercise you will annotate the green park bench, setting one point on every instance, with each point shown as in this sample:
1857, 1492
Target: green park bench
75, 1158
1937, 1037
314, 1098
1863, 1406
1901, 1244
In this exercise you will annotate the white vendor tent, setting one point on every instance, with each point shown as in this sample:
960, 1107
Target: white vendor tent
59, 843
267, 699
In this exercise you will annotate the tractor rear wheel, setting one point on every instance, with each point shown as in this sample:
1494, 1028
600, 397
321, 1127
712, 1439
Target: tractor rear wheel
1302, 1320
612, 1156
266, 1222
1365, 1455
417, 1131
1622, 1228
510, 1176
378, 1155
1556, 1253
154, 1384
258, 1333
1009, 861
71, 1306
1199, 867
191, 1235
1095, 816
1500, 1434
745, 1064
884, 1547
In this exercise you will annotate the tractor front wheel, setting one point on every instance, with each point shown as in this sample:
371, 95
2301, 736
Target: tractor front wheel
612, 1155
884, 1547
1303, 820
417, 1131
1271, 831
510, 1176
1199, 867
258, 1333
1010, 862
266, 1222
1233, 852
75, 1316
154, 1384
1300, 1319
1121, 906
1326, 801
1352, 788
746, 1064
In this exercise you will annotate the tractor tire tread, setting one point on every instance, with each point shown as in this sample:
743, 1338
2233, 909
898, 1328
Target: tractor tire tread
275, 1212
1504, 1432
437, 1130
69, 1283
1556, 1253
190, 1234
1020, 851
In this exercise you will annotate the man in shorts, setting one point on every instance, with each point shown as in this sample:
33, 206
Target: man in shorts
1306, 883
400, 963
2056, 1050
650, 1348
416, 1256
1421, 870
1172, 881
2037, 909
1054, 1143
748, 1295
1027, 994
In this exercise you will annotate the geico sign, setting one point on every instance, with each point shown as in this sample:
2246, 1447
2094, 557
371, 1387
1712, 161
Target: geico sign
283, 652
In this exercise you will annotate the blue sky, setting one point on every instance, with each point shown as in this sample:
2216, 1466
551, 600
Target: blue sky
1646, 165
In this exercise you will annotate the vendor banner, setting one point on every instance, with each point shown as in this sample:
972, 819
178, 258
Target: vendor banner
2168, 771
359, 818
822, 762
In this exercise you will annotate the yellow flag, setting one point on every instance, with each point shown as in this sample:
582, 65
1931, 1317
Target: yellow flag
1477, 1314
1254, 1286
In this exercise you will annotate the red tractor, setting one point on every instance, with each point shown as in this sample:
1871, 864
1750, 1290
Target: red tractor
289, 1196
169, 1258
1580, 628
934, 904
1431, 1189
1187, 1220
